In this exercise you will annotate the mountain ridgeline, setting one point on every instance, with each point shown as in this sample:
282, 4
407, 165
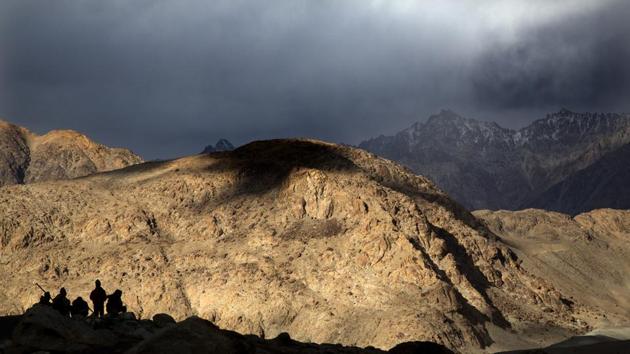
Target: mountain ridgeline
604, 184
326, 242
26, 157
485, 166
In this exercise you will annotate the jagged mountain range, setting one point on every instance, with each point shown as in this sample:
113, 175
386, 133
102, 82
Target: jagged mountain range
59, 154
486, 166
327, 242
604, 184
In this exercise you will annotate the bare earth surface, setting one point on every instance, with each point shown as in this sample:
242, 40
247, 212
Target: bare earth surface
586, 257
325, 242
26, 157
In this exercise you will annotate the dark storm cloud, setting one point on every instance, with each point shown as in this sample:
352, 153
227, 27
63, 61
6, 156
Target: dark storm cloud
167, 77
579, 61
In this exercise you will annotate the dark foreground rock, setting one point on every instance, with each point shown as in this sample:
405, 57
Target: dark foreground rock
42, 329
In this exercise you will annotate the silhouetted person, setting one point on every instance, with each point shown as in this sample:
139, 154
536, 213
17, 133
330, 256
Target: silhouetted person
45, 299
115, 304
98, 297
79, 308
61, 303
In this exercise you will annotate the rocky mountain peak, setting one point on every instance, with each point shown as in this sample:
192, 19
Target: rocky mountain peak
566, 127
449, 128
221, 145
484, 165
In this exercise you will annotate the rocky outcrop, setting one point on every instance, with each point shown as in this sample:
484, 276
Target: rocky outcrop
60, 154
325, 242
43, 329
485, 166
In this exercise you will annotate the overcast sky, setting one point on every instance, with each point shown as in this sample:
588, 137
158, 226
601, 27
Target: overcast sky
166, 78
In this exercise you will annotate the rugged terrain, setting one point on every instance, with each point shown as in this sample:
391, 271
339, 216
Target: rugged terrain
485, 166
42, 329
325, 242
604, 184
586, 257
26, 157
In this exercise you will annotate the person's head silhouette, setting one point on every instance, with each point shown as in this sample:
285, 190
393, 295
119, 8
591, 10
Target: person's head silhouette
62, 291
98, 283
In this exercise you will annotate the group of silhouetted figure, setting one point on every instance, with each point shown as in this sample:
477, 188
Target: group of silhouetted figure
79, 308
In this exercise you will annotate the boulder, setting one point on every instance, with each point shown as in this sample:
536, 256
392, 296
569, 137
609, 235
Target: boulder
193, 335
283, 339
163, 320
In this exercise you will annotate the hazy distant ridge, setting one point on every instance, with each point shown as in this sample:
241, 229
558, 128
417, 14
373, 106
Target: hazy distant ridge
486, 166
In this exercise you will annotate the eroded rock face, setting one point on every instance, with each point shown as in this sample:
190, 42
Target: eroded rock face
324, 242
60, 154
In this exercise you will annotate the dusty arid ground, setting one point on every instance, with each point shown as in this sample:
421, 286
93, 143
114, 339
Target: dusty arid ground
26, 157
326, 242
586, 257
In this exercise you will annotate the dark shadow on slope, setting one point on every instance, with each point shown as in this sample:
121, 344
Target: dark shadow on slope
470, 312
438, 198
464, 261
264, 166
474, 276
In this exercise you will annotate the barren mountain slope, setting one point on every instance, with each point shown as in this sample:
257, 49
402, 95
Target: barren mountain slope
587, 257
602, 184
485, 166
14, 153
26, 157
328, 243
